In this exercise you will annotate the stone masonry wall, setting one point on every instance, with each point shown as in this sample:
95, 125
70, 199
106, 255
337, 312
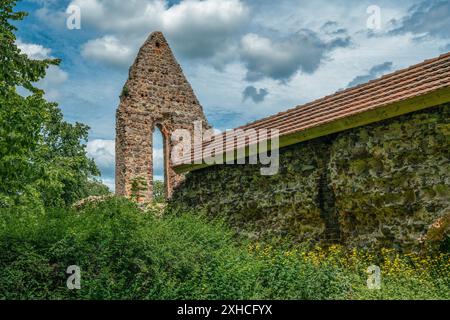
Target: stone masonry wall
378, 185
155, 94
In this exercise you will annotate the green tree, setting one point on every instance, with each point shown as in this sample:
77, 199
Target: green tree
42, 157
16, 68
95, 187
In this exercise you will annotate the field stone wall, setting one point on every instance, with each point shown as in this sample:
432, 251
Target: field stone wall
379, 185
156, 94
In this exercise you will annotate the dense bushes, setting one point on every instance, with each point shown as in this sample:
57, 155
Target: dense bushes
126, 254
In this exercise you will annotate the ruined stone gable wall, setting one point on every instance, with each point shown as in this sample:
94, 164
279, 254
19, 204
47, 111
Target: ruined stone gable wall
156, 94
378, 185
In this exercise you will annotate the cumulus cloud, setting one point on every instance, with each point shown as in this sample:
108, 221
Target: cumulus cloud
103, 152
54, 77
200, 29
33, 51
250, 92
196, 29
282, 58
216, 32
114, 16
108, 49
429, 18
373, 73
210, 30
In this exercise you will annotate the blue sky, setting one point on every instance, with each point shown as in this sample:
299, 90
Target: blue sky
245, 59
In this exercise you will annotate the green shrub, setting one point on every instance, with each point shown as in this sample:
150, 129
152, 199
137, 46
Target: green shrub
124, 253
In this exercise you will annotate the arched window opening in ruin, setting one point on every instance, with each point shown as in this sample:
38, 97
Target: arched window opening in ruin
158, 98
159, 166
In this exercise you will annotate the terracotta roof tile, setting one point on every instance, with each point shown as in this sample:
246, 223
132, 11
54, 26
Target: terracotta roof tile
420, 79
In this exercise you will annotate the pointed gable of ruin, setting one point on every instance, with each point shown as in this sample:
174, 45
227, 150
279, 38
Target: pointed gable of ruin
156, 94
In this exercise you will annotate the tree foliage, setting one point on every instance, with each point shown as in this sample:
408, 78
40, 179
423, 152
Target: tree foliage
42, 157
159, 191
125, 253
16, 69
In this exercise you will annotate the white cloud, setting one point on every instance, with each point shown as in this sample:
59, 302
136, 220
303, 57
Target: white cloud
204, 28
34, 51
103, 152
427, 18
108, 49
220, 88
115, 16
138, 15
281, 59
54, 77
195, 29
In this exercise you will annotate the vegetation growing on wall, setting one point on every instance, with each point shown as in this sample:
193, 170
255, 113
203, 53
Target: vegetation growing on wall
125, 253
382, 185
159, 191
392, 180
